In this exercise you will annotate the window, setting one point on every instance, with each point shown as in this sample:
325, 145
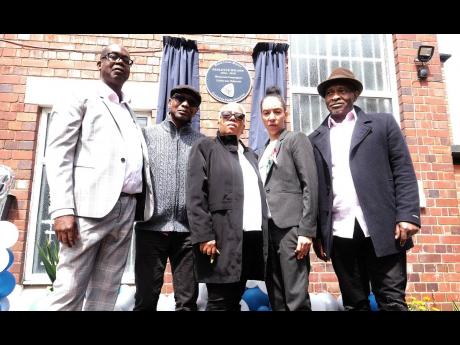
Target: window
313, 57
40, 230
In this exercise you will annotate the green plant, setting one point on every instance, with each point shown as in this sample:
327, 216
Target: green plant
49, 254
455, 306
426, 304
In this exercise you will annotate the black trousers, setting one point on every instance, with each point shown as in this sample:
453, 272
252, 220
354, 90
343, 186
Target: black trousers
227, 296
152, 251
359, 270
287, 277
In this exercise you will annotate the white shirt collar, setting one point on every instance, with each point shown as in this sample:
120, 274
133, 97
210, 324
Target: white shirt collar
107, 92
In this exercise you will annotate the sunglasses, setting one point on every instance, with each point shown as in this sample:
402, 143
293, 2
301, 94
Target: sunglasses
114, 57
182, 98
227, 115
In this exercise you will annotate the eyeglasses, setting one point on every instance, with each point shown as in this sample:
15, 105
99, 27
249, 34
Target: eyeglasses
182, 98
227, 115
114, 57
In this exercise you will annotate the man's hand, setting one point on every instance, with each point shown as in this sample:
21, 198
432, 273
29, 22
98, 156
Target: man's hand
209, 248
66, 230
404, 231
319, 251
303, 247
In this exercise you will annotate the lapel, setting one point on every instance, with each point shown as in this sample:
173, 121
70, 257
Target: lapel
277, 149
361, 130
108, 105
322, 141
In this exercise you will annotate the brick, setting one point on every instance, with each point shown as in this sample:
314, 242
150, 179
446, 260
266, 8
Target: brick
27, 117
9, 97
6, 87
22, 154
34, 63
24, 135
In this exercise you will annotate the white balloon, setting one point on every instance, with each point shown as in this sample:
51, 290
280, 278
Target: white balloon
317, 303
330, 303
251, 284
261, 285
8, 234
4, 259
244, 305
340, 303
166, 303
202, 300
125, 299
4, 304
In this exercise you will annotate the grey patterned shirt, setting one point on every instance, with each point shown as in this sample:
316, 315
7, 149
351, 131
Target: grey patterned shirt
168, 149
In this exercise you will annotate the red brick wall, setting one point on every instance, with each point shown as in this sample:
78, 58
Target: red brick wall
434, 264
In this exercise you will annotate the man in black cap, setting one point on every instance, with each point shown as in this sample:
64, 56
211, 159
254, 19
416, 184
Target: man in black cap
166, 234
368, 197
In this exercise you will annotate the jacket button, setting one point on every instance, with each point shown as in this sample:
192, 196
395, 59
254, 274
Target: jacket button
122, 160
267, 190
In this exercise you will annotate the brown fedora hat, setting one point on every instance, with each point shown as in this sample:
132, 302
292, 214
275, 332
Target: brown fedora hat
338, 75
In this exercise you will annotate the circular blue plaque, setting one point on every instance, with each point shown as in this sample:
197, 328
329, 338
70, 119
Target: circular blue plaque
228, 81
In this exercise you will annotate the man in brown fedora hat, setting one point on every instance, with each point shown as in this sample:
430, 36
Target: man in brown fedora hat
368, 197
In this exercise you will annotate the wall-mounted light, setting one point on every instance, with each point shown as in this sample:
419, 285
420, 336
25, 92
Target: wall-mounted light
424, 54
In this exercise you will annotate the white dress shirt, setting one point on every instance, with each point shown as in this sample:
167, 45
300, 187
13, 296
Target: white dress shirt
132, 141
252, 205
264, 162
345, 207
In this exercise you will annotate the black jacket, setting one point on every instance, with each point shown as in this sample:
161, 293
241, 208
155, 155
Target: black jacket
215, 194
383, 176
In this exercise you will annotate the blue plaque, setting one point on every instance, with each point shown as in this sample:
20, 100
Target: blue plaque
228, 81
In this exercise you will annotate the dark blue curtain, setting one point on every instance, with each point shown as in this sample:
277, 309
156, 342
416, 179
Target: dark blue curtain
179, 65
270, 70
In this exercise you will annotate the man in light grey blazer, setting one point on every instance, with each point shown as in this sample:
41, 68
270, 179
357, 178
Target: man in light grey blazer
98, 172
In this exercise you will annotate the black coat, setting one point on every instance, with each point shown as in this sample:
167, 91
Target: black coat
214, 196
383, 176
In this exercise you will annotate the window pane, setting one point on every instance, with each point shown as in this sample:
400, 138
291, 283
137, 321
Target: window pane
367, 45
369, 76
303, 75
294, 72
344, 49
374, 105
44, 229
314, 81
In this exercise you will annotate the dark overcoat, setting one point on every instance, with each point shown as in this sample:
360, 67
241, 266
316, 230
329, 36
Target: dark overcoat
214, 196
383, 176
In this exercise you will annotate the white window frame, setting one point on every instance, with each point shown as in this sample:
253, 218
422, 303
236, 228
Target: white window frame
391, 93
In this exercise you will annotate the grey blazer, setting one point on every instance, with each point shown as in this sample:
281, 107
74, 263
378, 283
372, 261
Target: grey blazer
292, 184
85, 157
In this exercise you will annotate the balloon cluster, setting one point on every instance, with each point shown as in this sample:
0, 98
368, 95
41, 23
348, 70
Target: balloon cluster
255, 297
8, 236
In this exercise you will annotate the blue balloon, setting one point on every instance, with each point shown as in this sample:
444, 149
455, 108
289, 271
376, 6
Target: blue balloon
264, 308
11, 259
7, 283
255, 298
373, 302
